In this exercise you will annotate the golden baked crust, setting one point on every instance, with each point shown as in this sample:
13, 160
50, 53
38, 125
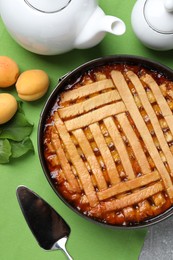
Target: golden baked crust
109, 144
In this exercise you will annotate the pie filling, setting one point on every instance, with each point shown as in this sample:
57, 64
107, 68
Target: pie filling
108, 144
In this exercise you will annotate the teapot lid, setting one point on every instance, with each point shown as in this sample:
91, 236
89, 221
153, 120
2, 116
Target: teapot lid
48, 6
159, 15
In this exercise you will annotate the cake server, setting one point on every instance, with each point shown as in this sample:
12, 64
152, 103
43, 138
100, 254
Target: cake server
48, 227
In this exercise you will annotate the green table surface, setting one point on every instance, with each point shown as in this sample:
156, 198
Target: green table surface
87, 241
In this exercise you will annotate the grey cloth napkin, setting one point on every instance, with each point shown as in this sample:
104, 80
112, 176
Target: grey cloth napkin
158, 244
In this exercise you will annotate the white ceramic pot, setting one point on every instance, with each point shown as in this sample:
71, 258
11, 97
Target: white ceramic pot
56, 26
152, 22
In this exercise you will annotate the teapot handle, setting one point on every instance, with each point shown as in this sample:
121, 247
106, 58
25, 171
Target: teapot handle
168, 5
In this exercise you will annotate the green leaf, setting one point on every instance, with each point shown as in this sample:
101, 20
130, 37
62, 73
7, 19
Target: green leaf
17, 129
20, 109
5, 151
20, 148
14, 137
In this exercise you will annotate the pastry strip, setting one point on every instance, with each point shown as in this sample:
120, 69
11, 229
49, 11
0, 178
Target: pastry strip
166, 111
134, 142
91, 158
127, 97
95, 116
133, 198
120, 146
129, 185
79, 165
169, 121
63, 161
89, 104
105, 153
86, 90
153, 118
163, 105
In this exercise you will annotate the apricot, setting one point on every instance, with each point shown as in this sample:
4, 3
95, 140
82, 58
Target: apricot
9, 72
8, 107
32, 84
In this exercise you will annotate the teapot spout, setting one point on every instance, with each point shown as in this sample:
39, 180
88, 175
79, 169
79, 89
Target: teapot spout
96, 28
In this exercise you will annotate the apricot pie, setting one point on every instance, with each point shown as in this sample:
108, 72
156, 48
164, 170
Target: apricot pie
108, 143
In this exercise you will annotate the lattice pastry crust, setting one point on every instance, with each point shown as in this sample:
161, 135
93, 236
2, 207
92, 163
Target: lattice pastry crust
109, 144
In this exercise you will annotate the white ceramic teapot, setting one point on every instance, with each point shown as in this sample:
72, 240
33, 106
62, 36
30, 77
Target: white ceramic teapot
56, 26
152, 22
